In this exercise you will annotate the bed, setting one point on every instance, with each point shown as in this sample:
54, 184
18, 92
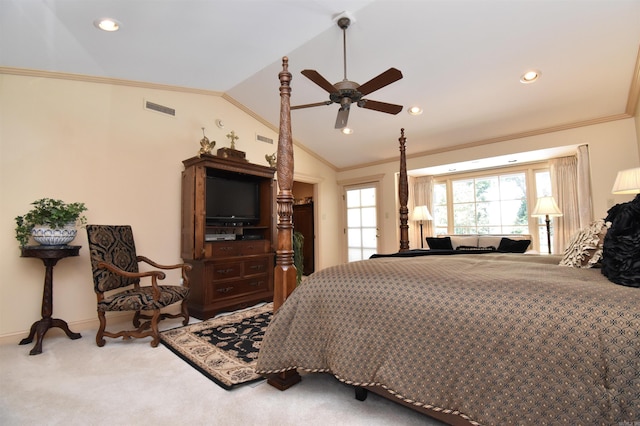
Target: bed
488, 338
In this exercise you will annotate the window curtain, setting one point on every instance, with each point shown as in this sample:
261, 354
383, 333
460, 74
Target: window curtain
585, 206
420, 194
571, 188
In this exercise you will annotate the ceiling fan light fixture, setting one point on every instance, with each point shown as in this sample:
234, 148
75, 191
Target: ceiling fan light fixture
530, 76
107, 24
414, 110
347, 130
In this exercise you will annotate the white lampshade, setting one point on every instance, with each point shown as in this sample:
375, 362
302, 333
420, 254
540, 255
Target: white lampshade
421, 213
627, 182
546, 206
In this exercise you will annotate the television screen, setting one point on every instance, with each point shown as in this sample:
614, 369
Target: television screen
232, 200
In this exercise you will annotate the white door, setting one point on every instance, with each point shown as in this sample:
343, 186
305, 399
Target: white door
362, 221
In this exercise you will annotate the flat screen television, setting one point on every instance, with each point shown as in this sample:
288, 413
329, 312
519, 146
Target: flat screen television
232, 200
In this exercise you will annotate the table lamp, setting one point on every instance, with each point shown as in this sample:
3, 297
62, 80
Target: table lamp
421, 213
627, 182
547, 207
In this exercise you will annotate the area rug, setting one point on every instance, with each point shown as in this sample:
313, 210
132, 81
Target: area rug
225, 348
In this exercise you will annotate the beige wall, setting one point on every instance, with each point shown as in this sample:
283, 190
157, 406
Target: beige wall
95, 143
613, 146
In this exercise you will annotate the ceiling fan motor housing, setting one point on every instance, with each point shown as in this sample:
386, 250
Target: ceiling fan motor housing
347, 93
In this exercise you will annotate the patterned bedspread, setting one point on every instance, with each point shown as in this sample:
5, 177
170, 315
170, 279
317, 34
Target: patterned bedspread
497, 339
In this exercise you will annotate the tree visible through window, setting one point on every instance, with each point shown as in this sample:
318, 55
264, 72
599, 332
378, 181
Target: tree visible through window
483, 205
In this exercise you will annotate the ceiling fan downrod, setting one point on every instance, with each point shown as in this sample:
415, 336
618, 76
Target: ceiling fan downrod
344, 24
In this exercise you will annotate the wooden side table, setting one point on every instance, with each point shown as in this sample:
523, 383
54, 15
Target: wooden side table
50, 256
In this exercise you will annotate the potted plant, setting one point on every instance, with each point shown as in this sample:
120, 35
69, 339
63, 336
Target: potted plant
50, 222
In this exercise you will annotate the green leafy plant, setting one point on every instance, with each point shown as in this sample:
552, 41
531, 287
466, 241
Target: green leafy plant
298, 258
53, 213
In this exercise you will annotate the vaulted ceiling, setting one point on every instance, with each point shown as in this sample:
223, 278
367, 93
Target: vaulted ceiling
461, 61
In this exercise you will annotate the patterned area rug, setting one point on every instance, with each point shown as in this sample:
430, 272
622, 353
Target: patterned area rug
225, 349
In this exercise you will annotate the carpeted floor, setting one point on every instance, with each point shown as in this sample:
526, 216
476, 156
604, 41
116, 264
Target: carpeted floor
74, 382
224, 349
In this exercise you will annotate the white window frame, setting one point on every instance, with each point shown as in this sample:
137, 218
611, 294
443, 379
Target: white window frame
531, 195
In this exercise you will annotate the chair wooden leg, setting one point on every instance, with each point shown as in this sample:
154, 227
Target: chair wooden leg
185, 313
154, 328
103, 324
136, 319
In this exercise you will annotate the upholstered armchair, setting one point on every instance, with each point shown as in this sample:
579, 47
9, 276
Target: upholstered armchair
116, 280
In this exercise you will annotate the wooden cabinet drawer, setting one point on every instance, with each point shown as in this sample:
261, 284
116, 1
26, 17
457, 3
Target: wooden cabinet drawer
218, 249
257, 266
240, 287
226, 270
248, 248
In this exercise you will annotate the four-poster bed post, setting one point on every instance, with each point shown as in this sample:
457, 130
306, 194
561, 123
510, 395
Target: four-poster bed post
403, 195
285, 272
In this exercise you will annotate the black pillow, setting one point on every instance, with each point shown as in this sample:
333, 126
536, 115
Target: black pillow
507, 245
621, 249
443, 243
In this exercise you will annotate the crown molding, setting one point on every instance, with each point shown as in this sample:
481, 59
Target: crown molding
25, 72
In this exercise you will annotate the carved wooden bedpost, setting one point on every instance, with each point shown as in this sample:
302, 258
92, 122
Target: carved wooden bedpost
285, 272
403, 195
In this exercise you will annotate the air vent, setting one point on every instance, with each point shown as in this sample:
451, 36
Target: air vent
264, 139
159, 108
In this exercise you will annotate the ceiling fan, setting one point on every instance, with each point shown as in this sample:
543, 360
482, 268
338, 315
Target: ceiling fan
348, 92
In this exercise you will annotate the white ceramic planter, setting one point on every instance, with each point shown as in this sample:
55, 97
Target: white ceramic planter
54, 237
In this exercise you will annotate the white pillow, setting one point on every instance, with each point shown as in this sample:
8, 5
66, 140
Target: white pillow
585, 247
465, 240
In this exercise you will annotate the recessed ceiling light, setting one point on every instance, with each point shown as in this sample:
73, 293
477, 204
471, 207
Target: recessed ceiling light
530, 76
415, 110
107, 24
347, 131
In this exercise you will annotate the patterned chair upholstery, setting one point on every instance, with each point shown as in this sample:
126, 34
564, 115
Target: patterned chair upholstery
114, 263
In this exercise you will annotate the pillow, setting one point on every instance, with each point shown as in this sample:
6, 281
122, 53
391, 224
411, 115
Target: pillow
507, 245
490, 240
585, 246
439, 243
464, 240
621, 247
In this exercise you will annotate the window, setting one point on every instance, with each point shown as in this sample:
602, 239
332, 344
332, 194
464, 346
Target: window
490, 205
490, 202
440, 209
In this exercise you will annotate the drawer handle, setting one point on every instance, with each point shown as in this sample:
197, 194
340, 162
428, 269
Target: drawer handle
224, 271
225, 248
258, 267
256, 283
224, 290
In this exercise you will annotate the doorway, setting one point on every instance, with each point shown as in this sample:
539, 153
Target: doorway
304, 222
362, 221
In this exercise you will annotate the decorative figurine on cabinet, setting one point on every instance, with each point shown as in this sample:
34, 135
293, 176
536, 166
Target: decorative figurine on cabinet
205, 145
271, 159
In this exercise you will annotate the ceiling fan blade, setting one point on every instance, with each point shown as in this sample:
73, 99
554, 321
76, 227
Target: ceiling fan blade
342, 118
380, 106
387, 77
311, 105
315, 76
